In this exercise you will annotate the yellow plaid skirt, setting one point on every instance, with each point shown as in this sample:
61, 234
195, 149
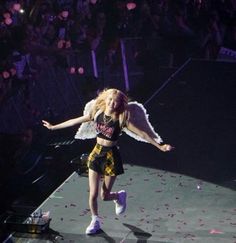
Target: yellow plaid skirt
105, 160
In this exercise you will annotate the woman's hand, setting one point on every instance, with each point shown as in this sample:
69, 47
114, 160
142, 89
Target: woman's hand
47, 125
166, 147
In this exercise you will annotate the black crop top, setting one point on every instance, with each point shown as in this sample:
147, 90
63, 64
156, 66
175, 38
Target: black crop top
107, 128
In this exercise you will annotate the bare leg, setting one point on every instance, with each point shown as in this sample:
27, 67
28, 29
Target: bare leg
118, 197
94, 178
106, 193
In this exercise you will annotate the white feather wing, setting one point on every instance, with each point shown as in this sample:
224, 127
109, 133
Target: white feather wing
139, 118
87, 130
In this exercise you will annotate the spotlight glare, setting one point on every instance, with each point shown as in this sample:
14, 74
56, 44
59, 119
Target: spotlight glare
131, 5
81, 70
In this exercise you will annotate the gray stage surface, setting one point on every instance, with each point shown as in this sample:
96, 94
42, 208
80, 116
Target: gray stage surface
162, 207
178, 201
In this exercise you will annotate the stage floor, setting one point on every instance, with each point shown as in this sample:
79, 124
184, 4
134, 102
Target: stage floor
162, 207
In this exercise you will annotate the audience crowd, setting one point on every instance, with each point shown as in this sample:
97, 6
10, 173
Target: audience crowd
30, 30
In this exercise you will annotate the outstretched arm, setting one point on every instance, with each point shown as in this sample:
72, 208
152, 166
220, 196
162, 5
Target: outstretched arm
68, 123
148, 138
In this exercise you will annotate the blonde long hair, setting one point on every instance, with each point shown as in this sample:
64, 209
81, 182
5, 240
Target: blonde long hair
121, 111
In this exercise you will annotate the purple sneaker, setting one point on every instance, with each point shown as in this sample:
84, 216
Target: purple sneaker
94, 227
121, 202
